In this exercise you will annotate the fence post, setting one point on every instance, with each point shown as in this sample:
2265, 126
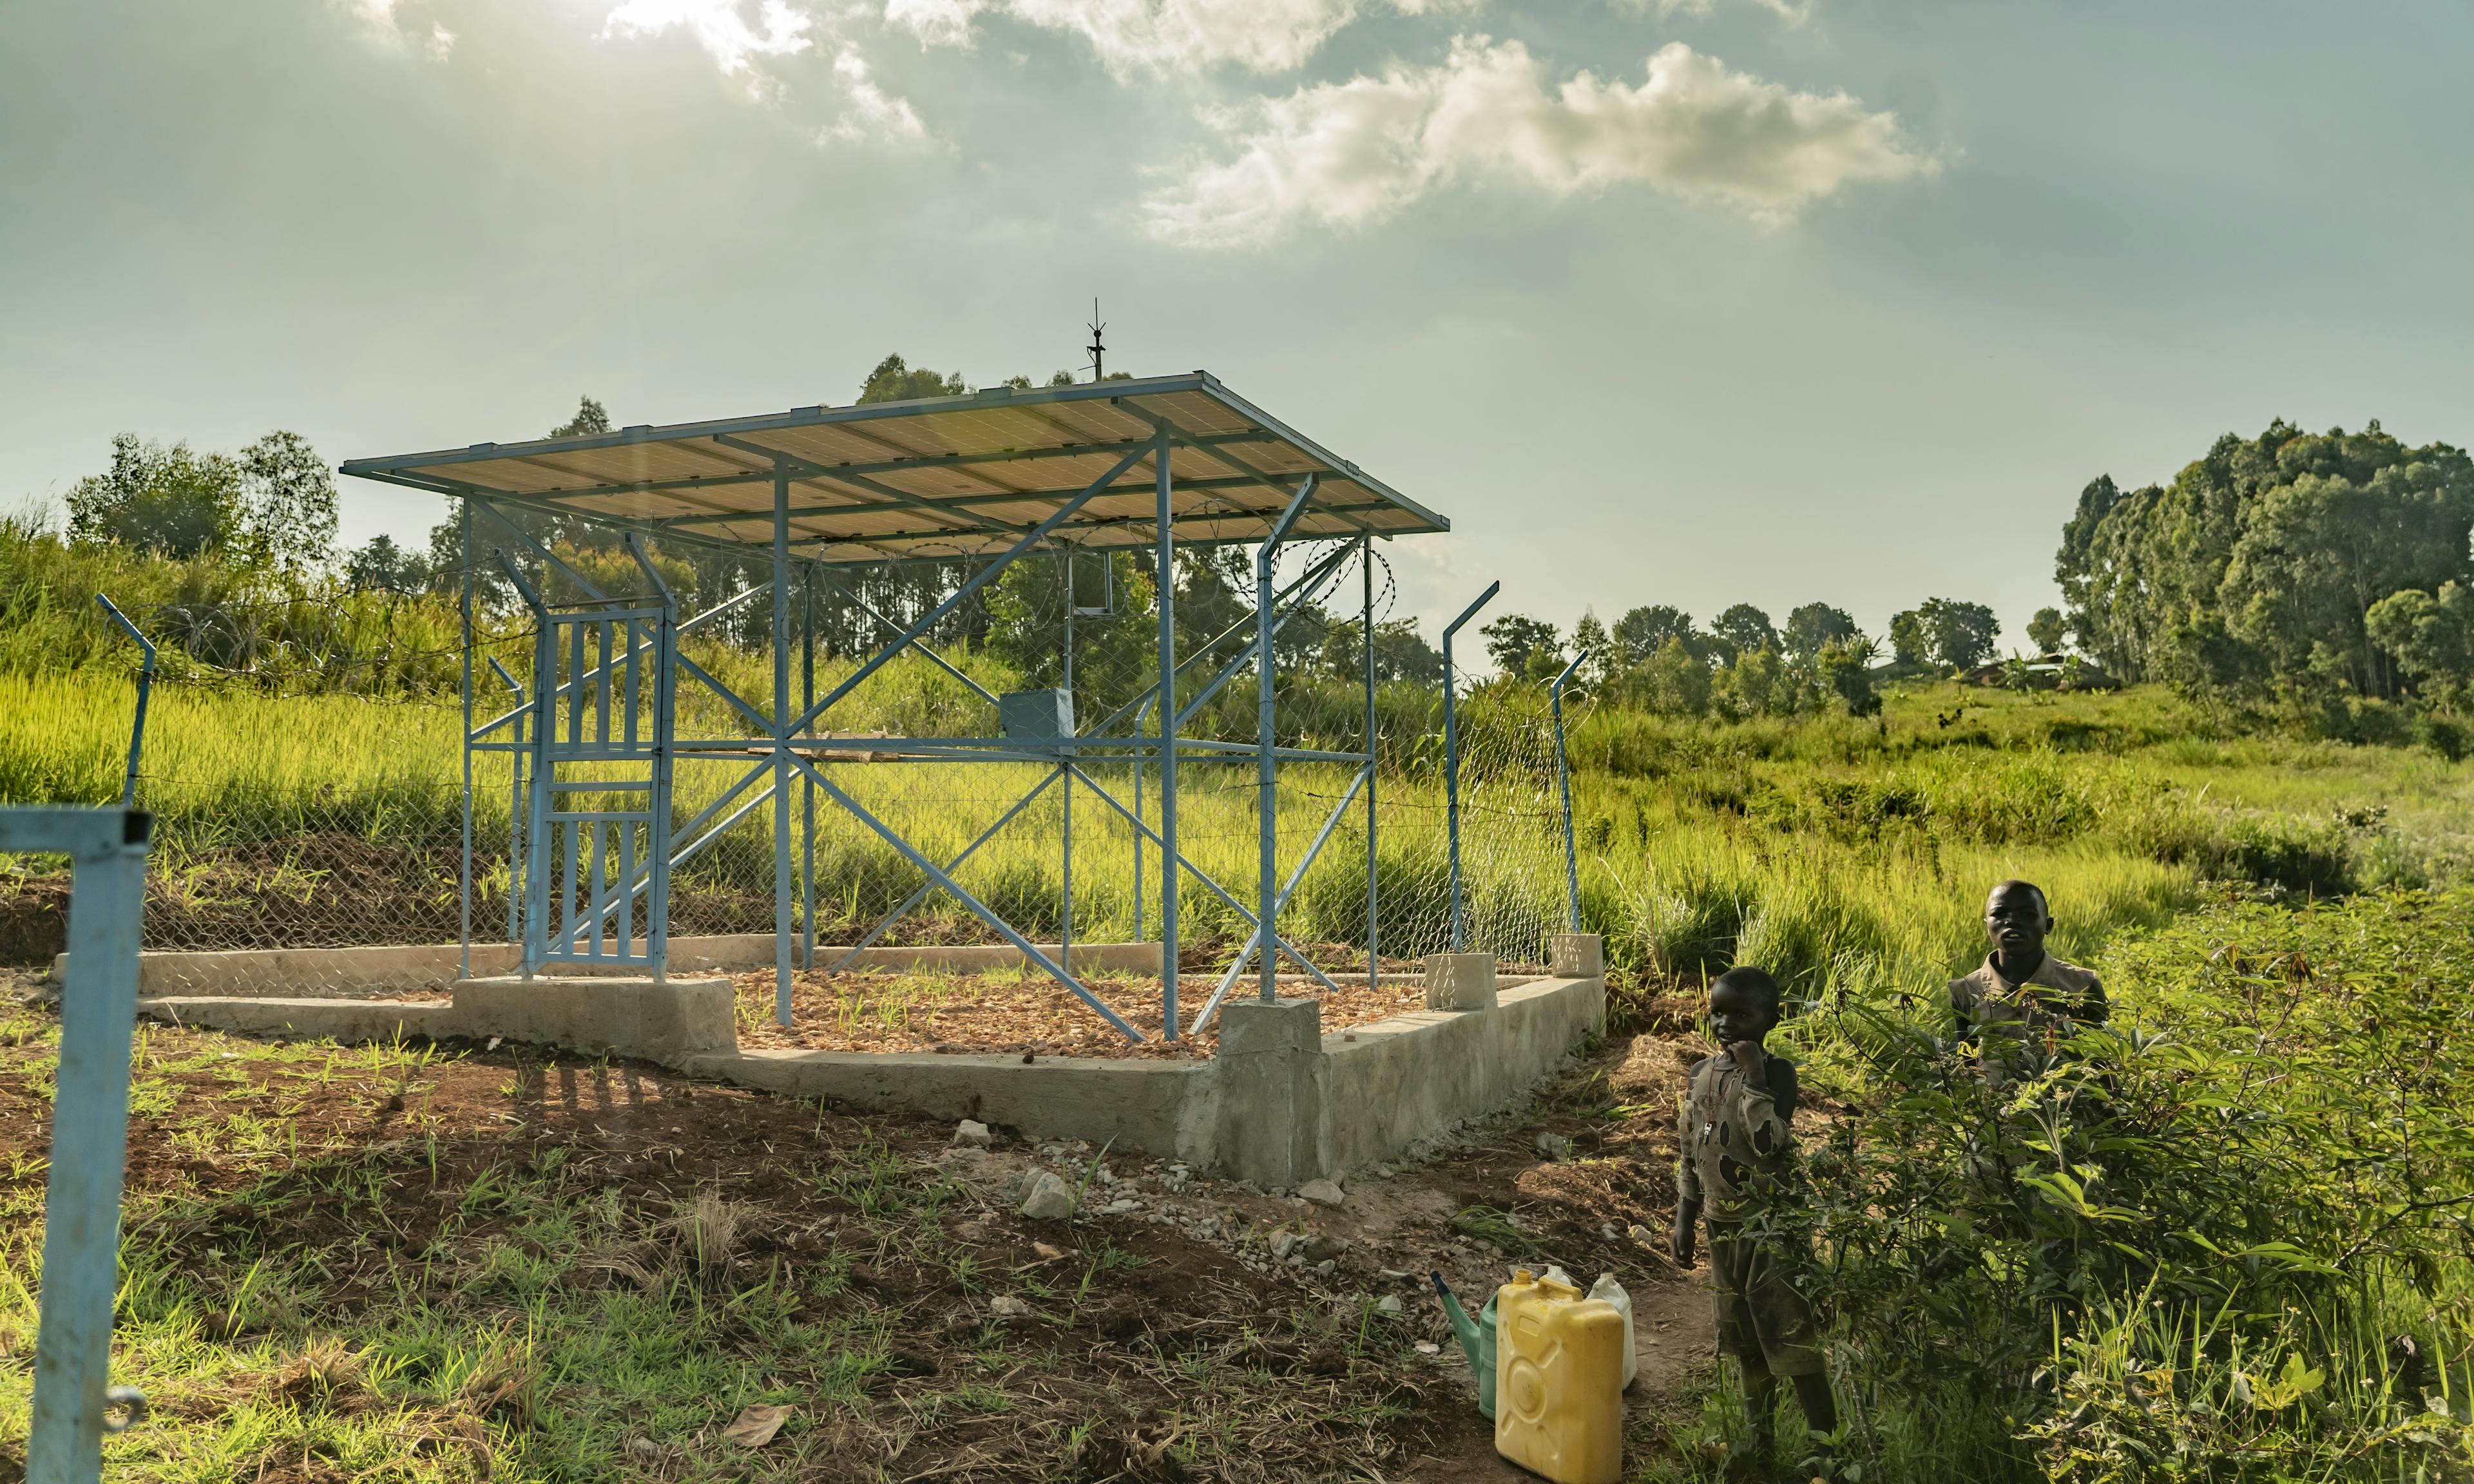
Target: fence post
73, 1395
1563, 783
1267, 813
1166, 655
145, 685
1452, 755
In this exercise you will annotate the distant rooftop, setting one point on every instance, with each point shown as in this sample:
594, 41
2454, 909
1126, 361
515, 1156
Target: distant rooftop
939, 477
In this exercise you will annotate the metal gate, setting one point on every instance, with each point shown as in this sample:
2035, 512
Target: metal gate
74, 1400
597, 826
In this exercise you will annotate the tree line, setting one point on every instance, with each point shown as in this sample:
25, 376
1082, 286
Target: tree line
2314, 570
1743, 664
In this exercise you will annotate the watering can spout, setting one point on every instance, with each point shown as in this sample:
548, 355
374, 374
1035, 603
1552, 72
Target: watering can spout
1476, 1337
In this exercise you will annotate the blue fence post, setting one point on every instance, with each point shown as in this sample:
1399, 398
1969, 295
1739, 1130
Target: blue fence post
1563, 783
145, 685
73, 1395
1452, 755
1267, 812
782, 728
1373, 905
1165, 599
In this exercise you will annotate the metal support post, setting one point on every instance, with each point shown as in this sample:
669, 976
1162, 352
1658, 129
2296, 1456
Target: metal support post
1373, 933
782, 728
1266, 673
1064, 769
1138, 814
1165, 578
464, 862
515, 795
536, 873
145, 686
808, 790
1296, 875
664, 728
1563, 783
1452, 755
74, 1399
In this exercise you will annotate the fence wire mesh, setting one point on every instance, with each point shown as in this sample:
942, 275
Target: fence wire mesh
304, 765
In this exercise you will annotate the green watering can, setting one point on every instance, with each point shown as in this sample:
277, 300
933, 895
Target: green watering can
1477, 1341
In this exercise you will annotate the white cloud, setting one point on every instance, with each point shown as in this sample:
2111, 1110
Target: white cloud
1795, 13
935, 22
871, 114
721, 27
1351, 153
383, 25
1161, 35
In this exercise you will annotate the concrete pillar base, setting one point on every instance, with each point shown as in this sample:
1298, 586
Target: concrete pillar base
1460, 981
1576, 956
1275, 1092
661, 1021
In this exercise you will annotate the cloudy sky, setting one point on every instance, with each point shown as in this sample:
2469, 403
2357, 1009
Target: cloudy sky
1661, 300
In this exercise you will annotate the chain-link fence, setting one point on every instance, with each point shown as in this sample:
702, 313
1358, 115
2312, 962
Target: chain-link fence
309, 781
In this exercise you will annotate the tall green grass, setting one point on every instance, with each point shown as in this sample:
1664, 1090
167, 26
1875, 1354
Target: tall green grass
1810, 847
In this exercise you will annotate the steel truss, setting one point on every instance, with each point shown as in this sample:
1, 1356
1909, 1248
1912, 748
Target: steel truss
607, 669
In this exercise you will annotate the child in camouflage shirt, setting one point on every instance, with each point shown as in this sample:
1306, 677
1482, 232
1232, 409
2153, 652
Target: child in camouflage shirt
1738, 1152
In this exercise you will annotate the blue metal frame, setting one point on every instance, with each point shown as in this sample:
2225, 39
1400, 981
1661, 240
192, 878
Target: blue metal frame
1564, 785
74, 1399
1266, 673
632, 647
783, 739
145, 686
1452, 755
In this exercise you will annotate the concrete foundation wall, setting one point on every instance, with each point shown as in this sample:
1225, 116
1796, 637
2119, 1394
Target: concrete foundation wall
319, 1018
1157, 1108
1396, 1081
305, 973
1280, 1104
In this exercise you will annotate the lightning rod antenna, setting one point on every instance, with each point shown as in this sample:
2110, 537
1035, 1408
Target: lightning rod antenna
1096, 349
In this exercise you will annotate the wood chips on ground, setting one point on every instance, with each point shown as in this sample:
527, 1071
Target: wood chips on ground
1033, 1014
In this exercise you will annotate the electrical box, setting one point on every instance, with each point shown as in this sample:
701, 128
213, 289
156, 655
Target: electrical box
1036, 713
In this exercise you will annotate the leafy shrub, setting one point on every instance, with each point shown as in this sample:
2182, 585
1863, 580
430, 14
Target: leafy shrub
2208, 1243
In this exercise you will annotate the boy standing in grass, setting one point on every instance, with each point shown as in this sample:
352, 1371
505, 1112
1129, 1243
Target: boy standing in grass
2024, 1002
1739, 1155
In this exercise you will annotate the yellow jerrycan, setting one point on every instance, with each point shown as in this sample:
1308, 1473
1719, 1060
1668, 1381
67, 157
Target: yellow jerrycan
1558, 1381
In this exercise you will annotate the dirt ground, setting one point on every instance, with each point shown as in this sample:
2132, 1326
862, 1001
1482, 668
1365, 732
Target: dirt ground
290, 1206
1022, 1012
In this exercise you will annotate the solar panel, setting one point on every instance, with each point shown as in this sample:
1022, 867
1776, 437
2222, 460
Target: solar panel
941, 477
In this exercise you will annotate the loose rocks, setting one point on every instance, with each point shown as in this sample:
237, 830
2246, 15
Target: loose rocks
1049, 1199
1323, 1192
972, 1134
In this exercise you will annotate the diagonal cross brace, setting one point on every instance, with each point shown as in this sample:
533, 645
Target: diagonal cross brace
979, 909
1205, 877
925, 887
863, 605
1203, 650
976, 582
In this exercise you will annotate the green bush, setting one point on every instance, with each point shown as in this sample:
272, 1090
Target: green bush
2221, 1241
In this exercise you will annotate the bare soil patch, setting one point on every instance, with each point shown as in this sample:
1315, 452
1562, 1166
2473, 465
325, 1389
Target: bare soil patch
910, 1011
671, 1252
